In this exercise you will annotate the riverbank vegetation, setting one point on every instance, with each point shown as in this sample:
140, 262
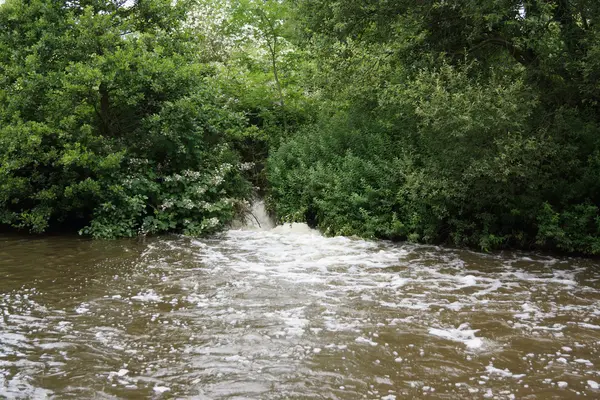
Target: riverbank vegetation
111, 122
471, 123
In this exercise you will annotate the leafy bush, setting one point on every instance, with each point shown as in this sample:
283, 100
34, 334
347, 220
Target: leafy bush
576, 229
338, 178
109, 123
456, 162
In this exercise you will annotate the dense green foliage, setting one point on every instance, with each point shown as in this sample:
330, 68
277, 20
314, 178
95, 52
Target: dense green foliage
110, 122
469, 122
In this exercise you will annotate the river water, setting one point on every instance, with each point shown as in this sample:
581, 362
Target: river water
286, 313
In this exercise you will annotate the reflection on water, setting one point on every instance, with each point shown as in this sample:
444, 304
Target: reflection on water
287, 313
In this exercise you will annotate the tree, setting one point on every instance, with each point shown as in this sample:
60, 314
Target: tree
260, 70
109, 121
490, 107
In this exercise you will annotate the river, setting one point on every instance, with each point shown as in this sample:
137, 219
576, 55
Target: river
286, 313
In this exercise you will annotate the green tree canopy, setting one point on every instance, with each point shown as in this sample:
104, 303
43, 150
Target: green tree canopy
490, 107
109, 120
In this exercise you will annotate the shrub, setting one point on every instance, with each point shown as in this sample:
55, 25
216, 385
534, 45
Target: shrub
108, 122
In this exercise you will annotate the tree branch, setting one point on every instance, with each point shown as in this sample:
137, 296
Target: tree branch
525, 57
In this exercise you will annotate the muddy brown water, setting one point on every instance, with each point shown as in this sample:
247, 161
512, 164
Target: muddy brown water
286, 313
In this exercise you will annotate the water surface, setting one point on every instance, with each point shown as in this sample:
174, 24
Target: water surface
286, 313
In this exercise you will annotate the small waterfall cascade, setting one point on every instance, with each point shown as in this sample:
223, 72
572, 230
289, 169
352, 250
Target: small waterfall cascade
257, 218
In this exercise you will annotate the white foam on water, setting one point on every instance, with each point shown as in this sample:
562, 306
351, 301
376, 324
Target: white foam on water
589, 326
397, 282
54, 345
83, 308
462, 334
295, 228
505, 373
147, 296
468, 280
161, 389
493, 286
293, 320
363, 340
287, 305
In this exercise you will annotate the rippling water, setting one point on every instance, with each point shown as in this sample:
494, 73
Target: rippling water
287, 313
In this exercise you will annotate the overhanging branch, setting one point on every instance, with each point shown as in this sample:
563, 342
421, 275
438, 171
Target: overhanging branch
525, 57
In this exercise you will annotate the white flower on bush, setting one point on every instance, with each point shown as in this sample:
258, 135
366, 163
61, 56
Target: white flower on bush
223, 169
217, 180
187, 203
246, 166
211, 222
139, 161
200, 190
192, 174
168, 203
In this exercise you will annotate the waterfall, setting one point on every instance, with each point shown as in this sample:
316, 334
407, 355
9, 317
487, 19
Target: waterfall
256, 218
